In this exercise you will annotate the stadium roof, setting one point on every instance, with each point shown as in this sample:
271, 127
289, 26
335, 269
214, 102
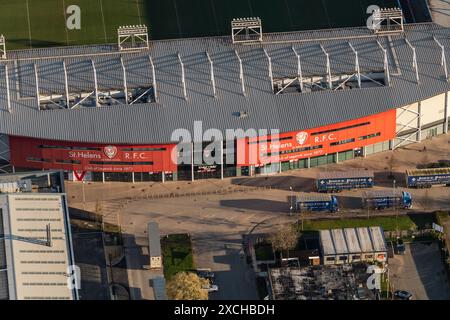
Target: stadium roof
155, 122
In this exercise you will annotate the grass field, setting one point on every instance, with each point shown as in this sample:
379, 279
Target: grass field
39, 23
408, 222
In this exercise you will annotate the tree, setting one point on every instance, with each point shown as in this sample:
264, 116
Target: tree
187, 286
284, 239
392, 165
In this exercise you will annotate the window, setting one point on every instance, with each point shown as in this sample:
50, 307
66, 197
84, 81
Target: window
144, 149
291, 151
68, 161
342, 142
340, 129
44, 146
356, 257
120, 163
32, 159
330, 259
343, 258
270, 140
370, 136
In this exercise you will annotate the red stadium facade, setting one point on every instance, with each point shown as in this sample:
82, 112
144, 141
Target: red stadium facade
82, 158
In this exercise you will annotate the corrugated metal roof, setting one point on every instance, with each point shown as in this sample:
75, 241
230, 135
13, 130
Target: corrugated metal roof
378, 241
308, 197
154, 122
352, 240
340, 243
382, 193
345, 174
326, 242
364, 239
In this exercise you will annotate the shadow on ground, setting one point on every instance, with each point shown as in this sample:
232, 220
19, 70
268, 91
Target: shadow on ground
278, 182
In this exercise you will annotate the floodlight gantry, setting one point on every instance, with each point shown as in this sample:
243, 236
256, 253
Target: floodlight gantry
2, 47
393, 18
132, 37
252, 27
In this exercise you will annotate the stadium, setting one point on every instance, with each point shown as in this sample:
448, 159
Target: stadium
108, 112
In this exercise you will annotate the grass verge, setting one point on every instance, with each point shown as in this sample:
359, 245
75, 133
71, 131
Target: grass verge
177, 254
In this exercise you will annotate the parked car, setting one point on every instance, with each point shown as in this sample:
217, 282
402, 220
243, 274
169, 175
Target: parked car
211, 288
403, 295
400, 246
205, 273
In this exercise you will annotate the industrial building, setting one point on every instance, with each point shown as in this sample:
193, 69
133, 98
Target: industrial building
36, 257
353, 245
332, 282
113, 112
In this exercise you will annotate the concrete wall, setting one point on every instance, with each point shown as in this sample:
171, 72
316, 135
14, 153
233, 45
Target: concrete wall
433, 109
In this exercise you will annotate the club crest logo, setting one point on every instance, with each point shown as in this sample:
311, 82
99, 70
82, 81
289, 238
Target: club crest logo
301, 137
110, 151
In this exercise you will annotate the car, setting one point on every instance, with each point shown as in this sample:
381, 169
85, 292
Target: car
400, 246
211, 287
205, 273
403, 295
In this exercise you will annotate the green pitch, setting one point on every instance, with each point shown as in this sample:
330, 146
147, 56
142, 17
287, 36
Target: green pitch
40, 23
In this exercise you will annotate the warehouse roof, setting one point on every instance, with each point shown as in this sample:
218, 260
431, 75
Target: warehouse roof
155, 122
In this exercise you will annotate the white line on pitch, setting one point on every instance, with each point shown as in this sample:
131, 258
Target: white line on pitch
103, 19
139, 11
29, 24
65, 26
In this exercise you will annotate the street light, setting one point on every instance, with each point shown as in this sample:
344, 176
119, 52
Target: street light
291, 207
84, 197
393, 206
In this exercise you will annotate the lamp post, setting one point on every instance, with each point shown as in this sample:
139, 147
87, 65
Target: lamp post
84, 197
393, 206
291, 207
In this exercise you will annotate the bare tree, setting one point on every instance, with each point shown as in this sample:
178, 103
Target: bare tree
284, 239
392, 164
187, 286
